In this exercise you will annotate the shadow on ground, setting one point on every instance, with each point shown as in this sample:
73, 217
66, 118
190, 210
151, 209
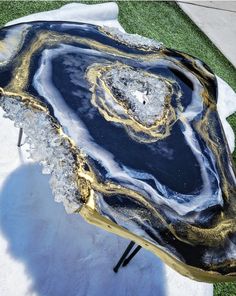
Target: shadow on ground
63, 254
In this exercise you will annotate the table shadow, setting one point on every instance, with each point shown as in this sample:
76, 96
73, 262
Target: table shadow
64, 255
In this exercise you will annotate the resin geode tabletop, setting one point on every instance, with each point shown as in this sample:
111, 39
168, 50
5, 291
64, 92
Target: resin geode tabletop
129, 132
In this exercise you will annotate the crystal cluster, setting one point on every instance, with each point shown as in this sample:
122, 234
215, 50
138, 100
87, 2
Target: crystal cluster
49, 147
144, 95
133, 40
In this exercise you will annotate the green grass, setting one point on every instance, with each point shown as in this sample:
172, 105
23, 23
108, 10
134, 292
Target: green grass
225, 289
163, 21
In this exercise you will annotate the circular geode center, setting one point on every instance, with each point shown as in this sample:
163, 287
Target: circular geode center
136, 99
143, 95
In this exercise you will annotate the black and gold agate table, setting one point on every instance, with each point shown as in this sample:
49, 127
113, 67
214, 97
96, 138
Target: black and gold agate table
129, 131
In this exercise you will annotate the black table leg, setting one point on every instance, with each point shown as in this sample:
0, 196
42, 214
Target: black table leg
125, 254
128, 259
20, 137
125, 259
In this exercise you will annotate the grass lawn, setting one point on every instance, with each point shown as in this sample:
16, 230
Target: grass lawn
163, 21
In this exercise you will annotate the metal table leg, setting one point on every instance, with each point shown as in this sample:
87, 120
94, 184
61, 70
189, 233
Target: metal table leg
20, 137
125, 254
124, 260
128, 259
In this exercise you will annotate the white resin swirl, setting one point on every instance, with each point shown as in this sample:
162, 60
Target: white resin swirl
12, 43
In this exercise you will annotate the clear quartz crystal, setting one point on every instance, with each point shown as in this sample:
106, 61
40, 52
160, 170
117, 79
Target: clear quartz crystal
49, 148
144, 95
133, 40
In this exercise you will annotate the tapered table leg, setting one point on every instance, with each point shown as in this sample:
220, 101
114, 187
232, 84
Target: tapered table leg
125, 254
128, 259
20, 137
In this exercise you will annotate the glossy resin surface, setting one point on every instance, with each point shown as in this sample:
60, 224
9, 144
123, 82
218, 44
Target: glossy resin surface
130, 133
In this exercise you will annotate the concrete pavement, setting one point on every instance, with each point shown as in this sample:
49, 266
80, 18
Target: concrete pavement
217, 19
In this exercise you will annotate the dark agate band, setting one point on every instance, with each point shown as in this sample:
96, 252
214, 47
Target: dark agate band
130, 134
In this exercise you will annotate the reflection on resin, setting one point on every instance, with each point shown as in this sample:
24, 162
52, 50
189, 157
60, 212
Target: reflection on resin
129, 132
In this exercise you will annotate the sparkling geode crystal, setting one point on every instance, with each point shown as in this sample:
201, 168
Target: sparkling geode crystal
137, 95
144, 96
130, 134
133, 40
49, 148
